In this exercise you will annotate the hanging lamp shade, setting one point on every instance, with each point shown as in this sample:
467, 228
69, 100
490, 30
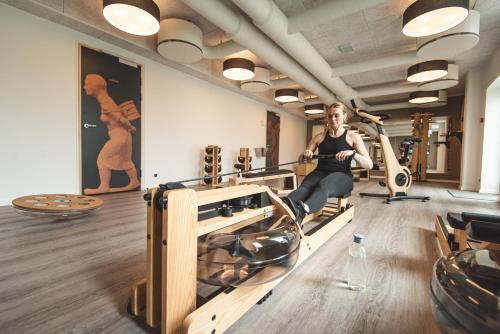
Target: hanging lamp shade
286, 95
429, 17
136, 17
317, 108
448, 81
238, 69
442, 101
427, 71
180, 41
424, 97
451, 42
299, 103
259, 83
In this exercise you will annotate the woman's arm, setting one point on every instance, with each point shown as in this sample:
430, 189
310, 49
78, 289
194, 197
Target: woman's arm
361, 156
311, 147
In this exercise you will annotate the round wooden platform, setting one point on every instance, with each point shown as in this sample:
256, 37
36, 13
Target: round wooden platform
63, 205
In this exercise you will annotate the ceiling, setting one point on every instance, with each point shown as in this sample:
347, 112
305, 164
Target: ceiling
373, 32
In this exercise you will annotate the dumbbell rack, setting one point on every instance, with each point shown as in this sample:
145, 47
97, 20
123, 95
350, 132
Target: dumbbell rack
244, 160
213, 165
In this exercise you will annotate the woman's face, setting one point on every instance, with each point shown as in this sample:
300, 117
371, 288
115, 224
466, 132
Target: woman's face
335, 117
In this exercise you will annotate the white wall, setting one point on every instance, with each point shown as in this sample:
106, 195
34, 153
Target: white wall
490, 173
473, 130
39, 127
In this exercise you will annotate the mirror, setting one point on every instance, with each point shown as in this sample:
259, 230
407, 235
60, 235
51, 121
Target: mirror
437, 147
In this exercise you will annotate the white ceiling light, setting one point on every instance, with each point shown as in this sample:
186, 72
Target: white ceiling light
180, 41
259, 83
313, 109
137, 17
448, 81
423, 97
238, 69
442, 101
295, 104
427, 71
451, 42
429, 17
286, 95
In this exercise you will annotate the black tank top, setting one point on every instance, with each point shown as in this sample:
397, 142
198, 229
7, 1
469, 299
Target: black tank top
331, 145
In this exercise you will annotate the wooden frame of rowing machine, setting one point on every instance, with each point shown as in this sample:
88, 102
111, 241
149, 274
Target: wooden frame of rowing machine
168, 295
446, 235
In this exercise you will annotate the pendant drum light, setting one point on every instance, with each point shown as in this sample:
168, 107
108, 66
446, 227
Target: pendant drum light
427, 71
451, 42
238, 69
295, 104
259, 83
286, 95
180, 41
424, 97
136, 17
429, 17
442, 101
313, 109
448, 81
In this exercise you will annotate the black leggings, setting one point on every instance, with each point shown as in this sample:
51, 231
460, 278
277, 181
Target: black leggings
319, 185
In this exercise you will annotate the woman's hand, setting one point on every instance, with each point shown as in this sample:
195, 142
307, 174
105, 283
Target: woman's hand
131, 129
342, 155
307, 155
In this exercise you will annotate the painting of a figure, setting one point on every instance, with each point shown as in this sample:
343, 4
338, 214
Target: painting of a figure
110, 113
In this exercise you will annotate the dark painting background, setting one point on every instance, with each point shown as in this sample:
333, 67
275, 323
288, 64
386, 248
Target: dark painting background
124, 84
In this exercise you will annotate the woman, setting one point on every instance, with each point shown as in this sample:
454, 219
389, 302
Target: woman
116, 154
332, 177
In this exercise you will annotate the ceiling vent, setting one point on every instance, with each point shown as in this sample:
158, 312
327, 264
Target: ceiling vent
259, 83
346, 48
451, 42
180, 41
448, 81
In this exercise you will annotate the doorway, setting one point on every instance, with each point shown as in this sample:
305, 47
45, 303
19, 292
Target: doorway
272, 140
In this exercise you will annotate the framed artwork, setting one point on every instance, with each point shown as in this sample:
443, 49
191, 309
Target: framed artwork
110, 109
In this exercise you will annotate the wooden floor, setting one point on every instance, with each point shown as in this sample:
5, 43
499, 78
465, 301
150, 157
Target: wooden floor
74, 276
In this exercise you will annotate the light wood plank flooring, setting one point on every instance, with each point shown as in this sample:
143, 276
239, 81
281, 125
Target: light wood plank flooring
74, 276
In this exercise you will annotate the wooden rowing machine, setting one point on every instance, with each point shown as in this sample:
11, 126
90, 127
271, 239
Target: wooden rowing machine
453, 234
176, 227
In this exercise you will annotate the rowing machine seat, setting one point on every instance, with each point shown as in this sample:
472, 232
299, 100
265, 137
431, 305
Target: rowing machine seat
484, 231
460, 220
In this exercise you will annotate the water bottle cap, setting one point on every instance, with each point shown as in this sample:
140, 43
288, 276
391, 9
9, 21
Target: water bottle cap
359, 238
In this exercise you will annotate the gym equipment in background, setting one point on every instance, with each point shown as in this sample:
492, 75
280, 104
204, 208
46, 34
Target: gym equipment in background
397, 178
418, 165
465, 286
56, 206
213, 166
281, 181
244, 160
184, 245
406, 148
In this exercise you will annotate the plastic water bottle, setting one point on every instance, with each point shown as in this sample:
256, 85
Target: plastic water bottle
356, 279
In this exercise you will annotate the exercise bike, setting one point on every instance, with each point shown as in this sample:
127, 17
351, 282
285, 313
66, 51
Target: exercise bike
397, 178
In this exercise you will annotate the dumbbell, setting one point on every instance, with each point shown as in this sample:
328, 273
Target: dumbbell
209, 159
209, 168
242, 159
210, 150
